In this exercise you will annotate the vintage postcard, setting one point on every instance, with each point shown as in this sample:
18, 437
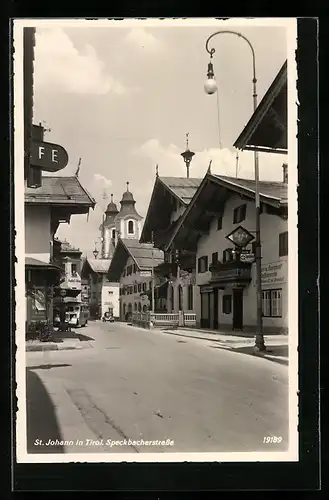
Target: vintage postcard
157, 258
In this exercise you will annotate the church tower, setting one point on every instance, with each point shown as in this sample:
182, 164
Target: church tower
108, 227
129, 222
123, 223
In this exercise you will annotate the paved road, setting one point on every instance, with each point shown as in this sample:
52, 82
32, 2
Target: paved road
136, 384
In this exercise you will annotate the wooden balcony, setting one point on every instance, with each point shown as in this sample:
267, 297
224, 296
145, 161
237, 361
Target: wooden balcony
233, 272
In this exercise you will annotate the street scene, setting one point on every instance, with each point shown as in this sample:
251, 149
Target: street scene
157, 315
120, 389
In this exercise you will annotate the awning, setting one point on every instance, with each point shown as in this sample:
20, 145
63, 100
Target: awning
39, 265
69, 292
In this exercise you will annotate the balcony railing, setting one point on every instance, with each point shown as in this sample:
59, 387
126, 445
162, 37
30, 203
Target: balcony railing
231, 272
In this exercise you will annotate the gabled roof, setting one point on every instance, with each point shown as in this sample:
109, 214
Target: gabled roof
144, 255
58, 190
99, 265
268, 190
211, 196
267, 128
181, 187
165, 191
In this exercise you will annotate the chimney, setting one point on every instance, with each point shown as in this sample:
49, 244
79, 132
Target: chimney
285, 173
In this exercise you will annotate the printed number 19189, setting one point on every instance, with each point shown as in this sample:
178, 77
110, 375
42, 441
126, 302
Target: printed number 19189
272, 439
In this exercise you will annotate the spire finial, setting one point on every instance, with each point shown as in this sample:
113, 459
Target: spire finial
111, 198
157, 170
187, 156
127, 185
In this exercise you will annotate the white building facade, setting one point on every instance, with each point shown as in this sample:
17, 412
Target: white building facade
225, 293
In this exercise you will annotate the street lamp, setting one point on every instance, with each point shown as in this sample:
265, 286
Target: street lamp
210, 88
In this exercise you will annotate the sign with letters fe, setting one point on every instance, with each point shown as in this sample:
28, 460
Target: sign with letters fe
48, 156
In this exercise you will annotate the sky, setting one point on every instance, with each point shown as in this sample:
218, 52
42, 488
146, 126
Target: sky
122, 97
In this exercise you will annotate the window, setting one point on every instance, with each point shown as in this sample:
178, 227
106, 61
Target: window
134, 268
139, 287
144, 287
227, 304
214, 258
272, 303
110, 293
113, 234
150, 285
227, 255
283, 244
130, 290
203, 264
74, 268
253, 247
129, 270
124, 272
219, 223
135, 288
239, 213
131, 227
190, 297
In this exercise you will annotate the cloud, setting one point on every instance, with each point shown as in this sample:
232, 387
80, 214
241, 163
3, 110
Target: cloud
140, 38
59, 65
224, 161
104, 180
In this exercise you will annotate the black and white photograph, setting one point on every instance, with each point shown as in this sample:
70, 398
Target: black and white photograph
155, 177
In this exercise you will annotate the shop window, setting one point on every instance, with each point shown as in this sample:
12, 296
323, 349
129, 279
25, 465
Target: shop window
227, 304
219, 223
203, 264
283, 244
239, 213
272, 303
131, 227
190, 297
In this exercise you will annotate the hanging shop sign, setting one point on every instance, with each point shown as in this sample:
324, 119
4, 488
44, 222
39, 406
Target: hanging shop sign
48, 156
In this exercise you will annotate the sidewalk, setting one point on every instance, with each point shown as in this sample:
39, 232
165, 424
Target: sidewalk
61, 341
277, 345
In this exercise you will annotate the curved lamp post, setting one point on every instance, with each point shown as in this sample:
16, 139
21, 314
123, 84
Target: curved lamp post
210, 88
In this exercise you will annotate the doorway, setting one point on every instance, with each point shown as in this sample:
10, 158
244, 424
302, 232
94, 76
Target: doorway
205, 310
215, 309
237, 309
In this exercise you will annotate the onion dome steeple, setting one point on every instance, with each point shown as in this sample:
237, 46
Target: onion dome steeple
128, 204
111, 208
